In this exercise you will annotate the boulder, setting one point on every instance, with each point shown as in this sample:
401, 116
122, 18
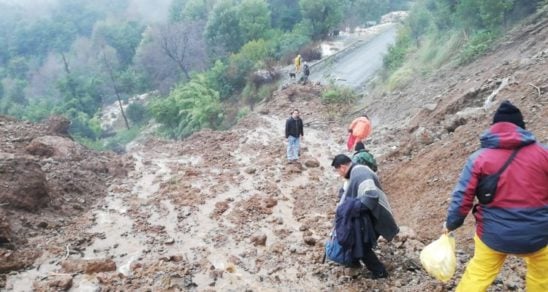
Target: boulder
23, 182
5, 231
55, 146
259, 239
89, 266
58, 125
310, 163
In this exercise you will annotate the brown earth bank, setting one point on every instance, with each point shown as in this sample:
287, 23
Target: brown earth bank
47, 180
222, 211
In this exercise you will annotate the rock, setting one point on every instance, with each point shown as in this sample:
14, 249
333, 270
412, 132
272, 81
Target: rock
25, 181
5, 231
424, 136
55, 146
220, 208
42, 225
169, 241
310, 240
271, 202
97, 266
405, 233
303, 228
58, 125
264, 111
250, 170
89, 266
63, 282
453, 122
259, 239
311, 163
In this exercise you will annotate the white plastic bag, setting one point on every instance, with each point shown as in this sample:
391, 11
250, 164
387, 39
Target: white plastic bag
438, 258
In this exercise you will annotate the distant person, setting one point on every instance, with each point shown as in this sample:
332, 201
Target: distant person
297, 62
363, 157
294, 134
359, 130
363, 214
516, 220
306, 73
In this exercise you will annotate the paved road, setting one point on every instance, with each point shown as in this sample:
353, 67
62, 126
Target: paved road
357, 66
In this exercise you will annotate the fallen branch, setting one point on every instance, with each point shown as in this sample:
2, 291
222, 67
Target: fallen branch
537, 88
4, 204
68, 251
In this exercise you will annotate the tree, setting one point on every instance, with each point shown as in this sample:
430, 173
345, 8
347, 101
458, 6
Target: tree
188, 108
254, 19
182, 42
124, 37
284, 14
110, 71
197, 10
176, 10
324, 15
137, 113
223, 31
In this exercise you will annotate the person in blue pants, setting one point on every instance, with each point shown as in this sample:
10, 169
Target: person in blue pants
294, 134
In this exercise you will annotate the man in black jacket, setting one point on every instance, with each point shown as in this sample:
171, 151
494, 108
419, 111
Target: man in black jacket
294, 135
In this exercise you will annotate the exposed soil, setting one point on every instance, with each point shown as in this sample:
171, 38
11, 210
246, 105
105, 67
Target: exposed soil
222, 211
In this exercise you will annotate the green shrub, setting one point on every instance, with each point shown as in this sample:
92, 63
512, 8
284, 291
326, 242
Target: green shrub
137, 113
337, 94
476, 46
397, 53
242, 113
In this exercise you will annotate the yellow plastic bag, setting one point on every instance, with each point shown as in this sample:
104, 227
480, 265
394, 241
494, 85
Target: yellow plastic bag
438, 258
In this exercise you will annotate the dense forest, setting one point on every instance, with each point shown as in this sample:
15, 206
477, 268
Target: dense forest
73, 57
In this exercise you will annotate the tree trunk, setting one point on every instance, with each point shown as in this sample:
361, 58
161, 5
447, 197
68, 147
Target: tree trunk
116, 91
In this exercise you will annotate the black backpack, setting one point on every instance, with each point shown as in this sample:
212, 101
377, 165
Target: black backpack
487, 185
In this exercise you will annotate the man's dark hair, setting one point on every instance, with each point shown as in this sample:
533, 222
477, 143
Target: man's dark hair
340, 159
359, 146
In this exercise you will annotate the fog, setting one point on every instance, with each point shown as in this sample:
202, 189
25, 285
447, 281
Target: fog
145, 10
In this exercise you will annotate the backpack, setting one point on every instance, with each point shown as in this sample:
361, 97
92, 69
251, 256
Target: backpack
336, 253
365, 158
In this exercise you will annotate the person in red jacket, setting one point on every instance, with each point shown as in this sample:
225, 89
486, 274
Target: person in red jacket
516, 220
359, 129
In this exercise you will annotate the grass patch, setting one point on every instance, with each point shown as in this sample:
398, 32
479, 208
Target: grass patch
476, 46
337, 94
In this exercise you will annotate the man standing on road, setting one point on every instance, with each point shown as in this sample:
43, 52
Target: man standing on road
294, 134
298, 63
306, 73
516, 220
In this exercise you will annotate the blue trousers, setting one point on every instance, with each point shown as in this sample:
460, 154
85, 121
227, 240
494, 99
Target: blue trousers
293, 146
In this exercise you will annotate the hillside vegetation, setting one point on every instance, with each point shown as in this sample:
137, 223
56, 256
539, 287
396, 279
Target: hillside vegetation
72, 57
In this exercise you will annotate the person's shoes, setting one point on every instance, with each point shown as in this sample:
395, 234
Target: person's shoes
377, 275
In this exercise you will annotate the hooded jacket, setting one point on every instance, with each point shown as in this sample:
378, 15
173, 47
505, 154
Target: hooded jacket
516, 221
360, 128
364, 186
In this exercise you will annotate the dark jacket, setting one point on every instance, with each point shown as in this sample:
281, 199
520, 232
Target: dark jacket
516, 221
364, 185
294, 127
364, 213
353, 227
